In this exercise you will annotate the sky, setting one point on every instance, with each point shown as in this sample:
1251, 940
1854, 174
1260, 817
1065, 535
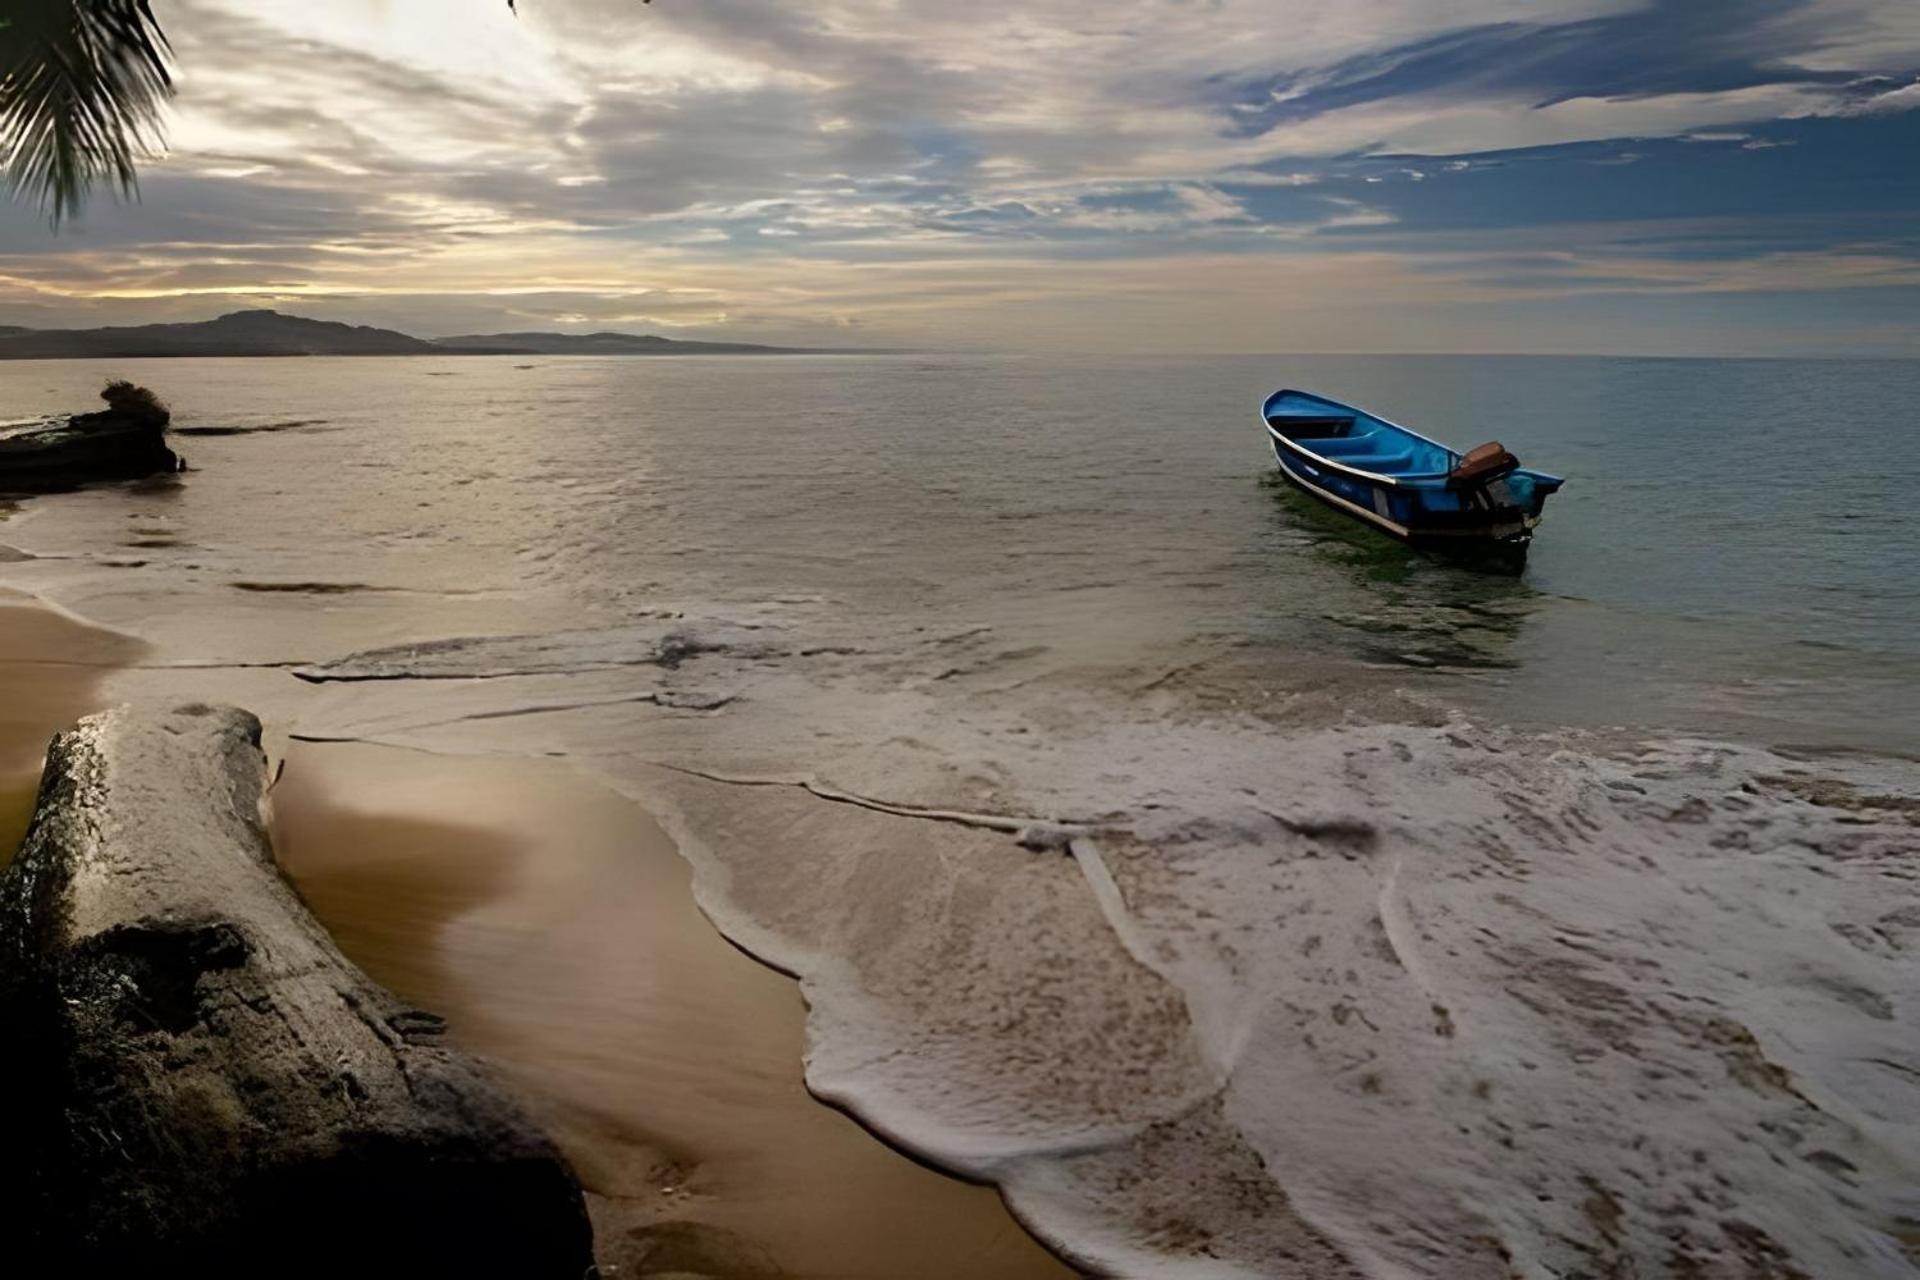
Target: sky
1681, 177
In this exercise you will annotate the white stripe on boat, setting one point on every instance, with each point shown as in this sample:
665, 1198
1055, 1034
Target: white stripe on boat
1399, 530
1324, 461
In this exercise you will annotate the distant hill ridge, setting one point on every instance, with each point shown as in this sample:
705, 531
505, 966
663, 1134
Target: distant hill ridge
238, 333
605, 344
269, 333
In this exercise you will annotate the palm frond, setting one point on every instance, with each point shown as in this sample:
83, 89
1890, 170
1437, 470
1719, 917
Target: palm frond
82, 84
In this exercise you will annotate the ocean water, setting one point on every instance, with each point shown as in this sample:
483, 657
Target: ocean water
1735, 549
1396, 918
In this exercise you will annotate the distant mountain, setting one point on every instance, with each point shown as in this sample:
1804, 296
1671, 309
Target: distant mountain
605, 344
239, 333
268, 333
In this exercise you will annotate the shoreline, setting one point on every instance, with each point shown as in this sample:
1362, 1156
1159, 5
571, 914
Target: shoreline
663, 1059
552, 921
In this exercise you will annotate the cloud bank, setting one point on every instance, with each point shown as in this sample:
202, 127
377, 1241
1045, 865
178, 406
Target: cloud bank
1212, 174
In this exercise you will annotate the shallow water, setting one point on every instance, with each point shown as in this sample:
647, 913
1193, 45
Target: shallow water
1396, 929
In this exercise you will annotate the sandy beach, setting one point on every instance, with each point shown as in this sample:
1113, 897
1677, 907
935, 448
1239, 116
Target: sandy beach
552, 922
51, 666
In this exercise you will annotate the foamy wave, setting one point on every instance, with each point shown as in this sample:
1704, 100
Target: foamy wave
1298, 997
1378, 999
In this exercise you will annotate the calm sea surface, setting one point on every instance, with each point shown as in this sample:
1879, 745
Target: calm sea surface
1737, 550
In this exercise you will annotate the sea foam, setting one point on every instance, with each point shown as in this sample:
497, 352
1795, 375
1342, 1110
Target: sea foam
1393, 999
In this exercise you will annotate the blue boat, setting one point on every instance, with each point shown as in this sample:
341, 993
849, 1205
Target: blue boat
1398, 480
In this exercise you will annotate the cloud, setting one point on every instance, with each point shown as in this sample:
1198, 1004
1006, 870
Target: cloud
1883, 97
729, 159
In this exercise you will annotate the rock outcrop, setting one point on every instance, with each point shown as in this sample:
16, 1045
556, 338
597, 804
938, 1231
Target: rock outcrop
199, 1083
124, 441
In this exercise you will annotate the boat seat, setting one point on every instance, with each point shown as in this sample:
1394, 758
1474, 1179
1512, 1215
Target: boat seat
1383, 463
1480, 464
1347, 446
1299, 426
1377, 461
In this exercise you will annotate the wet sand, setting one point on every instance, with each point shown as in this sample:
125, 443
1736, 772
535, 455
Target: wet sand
51, 668
553, 923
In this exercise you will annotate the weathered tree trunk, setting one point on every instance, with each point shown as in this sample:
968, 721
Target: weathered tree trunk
198, 1083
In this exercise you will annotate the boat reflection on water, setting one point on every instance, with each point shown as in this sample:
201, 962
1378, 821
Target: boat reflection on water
1461, 610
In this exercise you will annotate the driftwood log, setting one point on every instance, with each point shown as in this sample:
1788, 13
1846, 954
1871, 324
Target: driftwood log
198, 1083
124, 441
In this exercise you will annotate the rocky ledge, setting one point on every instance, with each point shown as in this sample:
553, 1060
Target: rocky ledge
199, 1082
124, 441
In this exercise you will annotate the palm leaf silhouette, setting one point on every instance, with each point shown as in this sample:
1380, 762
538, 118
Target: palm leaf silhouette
82, 83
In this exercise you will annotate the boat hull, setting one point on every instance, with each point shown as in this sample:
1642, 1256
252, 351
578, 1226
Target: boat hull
1401, 482
1372, 504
